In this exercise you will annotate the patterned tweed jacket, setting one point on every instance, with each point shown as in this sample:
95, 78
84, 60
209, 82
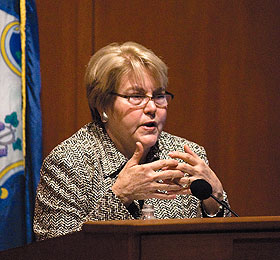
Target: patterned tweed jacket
76, 181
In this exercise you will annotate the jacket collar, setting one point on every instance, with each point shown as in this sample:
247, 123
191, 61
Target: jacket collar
111, 159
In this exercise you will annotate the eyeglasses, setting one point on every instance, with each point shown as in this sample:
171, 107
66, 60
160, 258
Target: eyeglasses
160, 100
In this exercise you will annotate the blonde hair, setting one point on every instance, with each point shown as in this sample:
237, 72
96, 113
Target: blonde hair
107, 67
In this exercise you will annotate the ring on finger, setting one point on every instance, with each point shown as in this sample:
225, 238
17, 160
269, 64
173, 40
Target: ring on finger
185, 186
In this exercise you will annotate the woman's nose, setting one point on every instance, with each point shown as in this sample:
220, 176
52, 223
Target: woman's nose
150, 107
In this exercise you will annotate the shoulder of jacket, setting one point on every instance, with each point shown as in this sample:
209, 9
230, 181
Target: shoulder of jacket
73, 145
167, 139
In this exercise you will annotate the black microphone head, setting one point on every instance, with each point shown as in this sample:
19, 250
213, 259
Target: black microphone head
201, 189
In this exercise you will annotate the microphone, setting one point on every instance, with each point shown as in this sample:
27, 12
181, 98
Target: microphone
203, 190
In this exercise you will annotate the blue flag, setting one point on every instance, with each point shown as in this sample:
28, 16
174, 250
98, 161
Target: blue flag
20, 120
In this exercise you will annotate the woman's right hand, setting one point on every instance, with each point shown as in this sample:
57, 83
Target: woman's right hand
143, 181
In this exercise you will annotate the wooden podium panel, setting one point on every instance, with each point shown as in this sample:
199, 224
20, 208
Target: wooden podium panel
217, 239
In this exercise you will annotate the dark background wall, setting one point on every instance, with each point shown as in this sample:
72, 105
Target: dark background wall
223, 59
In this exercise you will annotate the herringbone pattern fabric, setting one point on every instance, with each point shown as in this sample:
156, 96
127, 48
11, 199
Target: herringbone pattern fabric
76, 181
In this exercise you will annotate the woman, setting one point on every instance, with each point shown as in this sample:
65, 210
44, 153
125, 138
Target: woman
112, 165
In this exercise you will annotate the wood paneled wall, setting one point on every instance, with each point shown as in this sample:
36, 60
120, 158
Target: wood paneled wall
223, 59
66, 44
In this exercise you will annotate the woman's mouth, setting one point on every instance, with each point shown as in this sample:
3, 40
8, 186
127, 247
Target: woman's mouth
150, 126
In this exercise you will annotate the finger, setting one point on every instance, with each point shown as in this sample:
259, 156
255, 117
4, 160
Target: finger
180, 192
188, 150
170, 194
168, 175
163, 164
186, 182
136, 157
186, 168
188, 158
163, 196
166, 187
169, 181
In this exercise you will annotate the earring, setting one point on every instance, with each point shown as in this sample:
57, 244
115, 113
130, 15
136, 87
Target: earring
104, 117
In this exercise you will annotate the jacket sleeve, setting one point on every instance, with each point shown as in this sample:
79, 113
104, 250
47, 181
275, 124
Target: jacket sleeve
59, 205
203, 155
68, 195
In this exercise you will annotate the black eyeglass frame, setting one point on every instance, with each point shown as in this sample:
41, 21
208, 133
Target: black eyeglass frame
150, 98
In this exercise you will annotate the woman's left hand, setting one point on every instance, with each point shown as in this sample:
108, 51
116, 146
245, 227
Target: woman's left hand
196, 168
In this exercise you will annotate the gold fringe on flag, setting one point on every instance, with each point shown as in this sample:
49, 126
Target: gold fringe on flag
23, 74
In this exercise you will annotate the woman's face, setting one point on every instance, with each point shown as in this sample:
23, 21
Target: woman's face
128, 124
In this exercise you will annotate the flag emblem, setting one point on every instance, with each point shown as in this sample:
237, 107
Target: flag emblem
10, 46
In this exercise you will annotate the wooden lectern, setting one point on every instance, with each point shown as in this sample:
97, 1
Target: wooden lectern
217, 239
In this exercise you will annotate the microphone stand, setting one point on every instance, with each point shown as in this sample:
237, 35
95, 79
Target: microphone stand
224, 205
